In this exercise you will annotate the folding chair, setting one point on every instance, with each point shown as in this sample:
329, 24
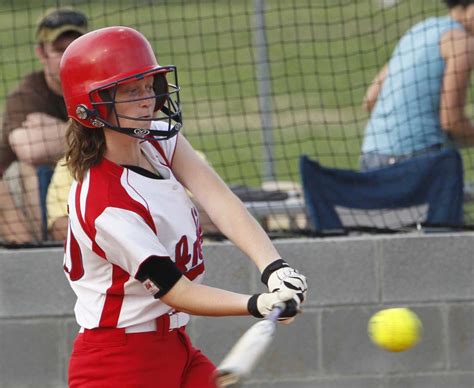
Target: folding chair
433, 182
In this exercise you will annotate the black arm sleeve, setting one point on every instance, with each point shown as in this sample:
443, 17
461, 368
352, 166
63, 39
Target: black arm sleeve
158, 274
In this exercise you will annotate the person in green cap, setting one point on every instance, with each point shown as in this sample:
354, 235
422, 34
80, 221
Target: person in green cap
32, 137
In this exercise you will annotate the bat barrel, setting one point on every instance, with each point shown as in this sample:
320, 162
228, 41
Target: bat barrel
247, 351
226, 378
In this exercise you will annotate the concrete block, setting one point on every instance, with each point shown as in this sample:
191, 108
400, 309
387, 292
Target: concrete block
227, 267
347, 349
339, 271
447, 380
71, 328
461, 337
32, 283
343, 382
29, 354
327, 347
293, 352
429, 268
215, 336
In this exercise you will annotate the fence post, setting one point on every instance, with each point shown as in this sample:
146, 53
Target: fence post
264, 90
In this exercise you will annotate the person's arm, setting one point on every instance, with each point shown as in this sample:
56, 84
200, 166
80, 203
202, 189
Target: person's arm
140, 253
457, 48
56, 201
163, 279
199, 299
373, 90
58, 229
231, 217
223, 207
39, 140
7, 156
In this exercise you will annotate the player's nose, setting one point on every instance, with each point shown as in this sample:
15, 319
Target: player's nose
147, 100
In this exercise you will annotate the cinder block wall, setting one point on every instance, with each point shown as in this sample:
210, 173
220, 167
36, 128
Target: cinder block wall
327, 347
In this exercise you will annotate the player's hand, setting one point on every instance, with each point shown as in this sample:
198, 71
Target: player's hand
280, 276
260, 305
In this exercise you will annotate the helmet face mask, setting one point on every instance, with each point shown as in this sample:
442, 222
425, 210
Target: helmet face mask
167, 106
93, 67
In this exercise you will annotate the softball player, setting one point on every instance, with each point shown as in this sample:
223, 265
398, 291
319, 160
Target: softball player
133, 254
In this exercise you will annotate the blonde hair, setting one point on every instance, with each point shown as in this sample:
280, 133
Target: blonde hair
85, 147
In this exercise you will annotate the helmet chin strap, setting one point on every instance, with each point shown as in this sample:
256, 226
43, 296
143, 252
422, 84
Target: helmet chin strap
146, 133
150, 134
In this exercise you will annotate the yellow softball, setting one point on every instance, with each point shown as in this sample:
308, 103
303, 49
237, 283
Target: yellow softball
395, 329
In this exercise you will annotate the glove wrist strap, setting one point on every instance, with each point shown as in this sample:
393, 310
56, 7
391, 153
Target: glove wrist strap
252, 306
272, 267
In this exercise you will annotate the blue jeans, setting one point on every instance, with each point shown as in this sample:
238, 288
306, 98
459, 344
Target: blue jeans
44, 173
373, 160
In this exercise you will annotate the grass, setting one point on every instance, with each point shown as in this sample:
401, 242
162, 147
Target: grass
323, 55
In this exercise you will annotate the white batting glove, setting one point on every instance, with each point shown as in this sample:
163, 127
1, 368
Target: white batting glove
260, 305
278, 275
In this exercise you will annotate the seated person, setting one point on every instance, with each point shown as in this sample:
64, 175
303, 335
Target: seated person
56, 201
417, 100
33, 131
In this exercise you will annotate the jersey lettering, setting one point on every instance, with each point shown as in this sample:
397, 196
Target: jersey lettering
182, 255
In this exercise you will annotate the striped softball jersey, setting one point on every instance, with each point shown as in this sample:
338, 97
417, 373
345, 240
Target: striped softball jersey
117, 219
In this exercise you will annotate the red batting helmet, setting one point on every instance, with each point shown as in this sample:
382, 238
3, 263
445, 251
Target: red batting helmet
95, 63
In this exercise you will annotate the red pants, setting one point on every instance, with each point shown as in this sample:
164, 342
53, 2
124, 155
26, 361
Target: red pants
159, 359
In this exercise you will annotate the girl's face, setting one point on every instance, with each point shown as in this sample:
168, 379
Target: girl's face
128, 110
50, 55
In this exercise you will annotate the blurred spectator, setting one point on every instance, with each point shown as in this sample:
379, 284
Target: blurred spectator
33, 131
417, 100
56, 201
